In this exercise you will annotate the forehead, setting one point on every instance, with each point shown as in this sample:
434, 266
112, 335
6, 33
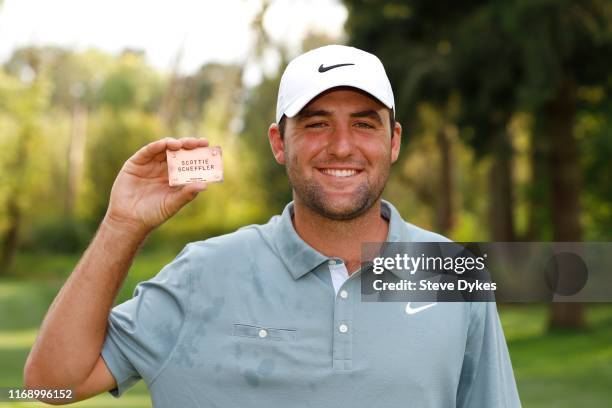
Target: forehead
343, 97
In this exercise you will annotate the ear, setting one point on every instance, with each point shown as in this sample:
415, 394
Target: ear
396, 141
276, 143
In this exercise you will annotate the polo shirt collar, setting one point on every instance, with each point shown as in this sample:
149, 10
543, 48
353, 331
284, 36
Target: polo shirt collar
300, 258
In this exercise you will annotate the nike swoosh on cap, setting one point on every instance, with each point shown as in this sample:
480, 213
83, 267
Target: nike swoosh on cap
325, 69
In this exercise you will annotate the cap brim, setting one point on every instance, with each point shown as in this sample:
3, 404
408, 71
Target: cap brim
296, 106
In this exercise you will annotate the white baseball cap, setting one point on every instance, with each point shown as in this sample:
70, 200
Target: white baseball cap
328, 67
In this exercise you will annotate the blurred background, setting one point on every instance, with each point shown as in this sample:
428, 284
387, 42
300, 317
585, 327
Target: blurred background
507, 115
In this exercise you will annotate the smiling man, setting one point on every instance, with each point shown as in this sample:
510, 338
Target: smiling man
271, 315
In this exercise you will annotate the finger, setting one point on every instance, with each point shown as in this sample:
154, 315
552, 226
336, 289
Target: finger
195, 188
192, 143
160, 157
150, 151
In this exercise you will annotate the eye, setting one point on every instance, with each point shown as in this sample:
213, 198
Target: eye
316, 125
364, 125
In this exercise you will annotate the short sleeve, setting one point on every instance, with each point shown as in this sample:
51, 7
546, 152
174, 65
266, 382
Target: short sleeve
487, 379
143, 331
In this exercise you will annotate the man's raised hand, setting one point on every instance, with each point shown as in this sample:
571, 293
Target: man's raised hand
141, 198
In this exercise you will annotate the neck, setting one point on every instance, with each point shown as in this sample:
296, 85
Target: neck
340, 238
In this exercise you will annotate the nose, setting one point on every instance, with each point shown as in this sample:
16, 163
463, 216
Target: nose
340, 143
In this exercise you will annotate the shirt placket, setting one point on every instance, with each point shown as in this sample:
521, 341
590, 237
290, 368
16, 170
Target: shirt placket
343, 330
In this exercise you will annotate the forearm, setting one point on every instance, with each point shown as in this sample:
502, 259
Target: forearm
73, 331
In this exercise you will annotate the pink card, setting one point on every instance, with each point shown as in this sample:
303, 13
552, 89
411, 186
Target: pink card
202, 164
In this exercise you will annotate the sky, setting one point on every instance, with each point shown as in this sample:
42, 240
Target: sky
206, 30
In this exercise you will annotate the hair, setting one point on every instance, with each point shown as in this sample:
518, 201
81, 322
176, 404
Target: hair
282, 124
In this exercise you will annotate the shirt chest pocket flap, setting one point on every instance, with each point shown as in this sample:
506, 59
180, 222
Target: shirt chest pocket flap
264, 333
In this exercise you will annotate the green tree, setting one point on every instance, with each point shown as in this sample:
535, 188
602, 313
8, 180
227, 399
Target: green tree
20, 107
564, 46
412, 39
131, 84
594, 130
502, 57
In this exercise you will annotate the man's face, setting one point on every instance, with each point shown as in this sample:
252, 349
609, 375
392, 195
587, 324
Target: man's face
338, 151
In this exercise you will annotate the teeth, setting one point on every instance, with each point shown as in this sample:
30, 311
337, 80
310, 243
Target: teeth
339, 172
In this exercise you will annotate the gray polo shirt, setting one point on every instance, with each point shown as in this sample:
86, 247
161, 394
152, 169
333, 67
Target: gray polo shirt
251, 319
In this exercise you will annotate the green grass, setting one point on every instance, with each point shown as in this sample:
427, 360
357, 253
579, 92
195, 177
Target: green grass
25, 295
561, 369
22, 308
54, 268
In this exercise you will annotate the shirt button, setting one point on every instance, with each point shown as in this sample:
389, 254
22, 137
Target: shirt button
343, 294
331, 262
263, 333
343, 328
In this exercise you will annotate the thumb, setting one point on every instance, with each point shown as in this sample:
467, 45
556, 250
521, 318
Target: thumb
185, 194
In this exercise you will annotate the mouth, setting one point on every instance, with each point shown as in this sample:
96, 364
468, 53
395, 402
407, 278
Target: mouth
341, 173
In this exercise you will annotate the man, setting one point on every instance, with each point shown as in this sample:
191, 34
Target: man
271, 315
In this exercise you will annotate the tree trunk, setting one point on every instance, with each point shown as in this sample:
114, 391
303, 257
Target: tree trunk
538, 228
445, 214
501, 203
167, 110
11, 238
565, 178
17, 169
76, 155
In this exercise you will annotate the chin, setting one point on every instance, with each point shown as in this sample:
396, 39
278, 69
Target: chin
332, 203
342, 211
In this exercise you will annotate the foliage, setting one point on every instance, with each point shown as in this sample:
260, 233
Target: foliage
438, 56
121, 103
502, 60
260, 108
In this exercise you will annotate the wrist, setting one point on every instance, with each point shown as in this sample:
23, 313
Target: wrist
123, 229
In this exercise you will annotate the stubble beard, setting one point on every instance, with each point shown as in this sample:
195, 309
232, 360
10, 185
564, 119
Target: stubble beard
312, 195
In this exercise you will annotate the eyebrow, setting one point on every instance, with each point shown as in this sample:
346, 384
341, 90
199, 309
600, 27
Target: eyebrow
372, 114
305, 114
